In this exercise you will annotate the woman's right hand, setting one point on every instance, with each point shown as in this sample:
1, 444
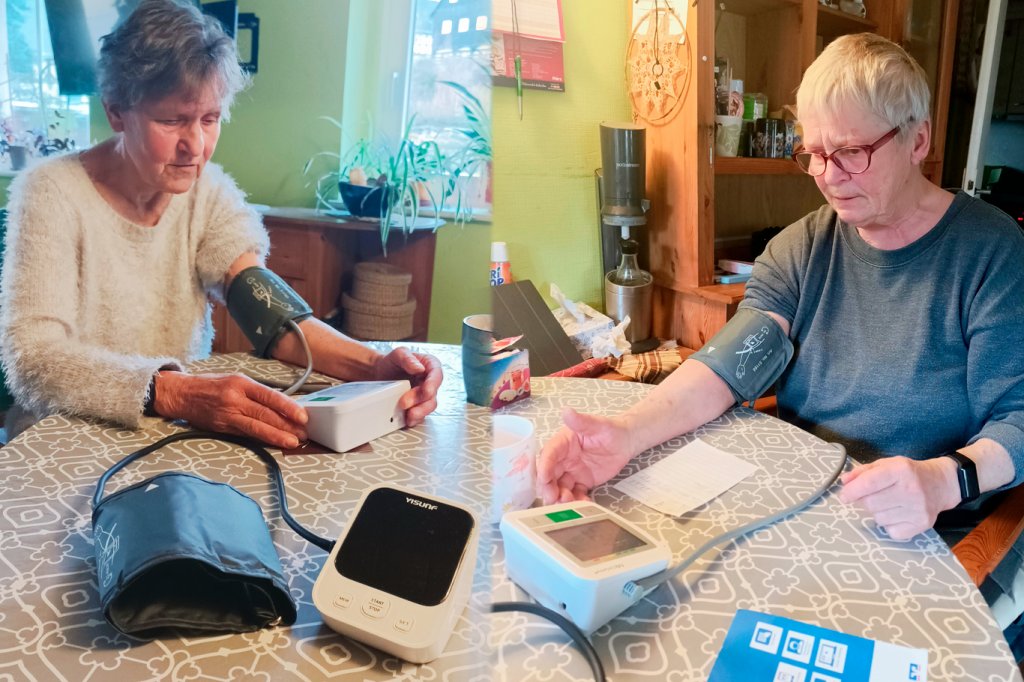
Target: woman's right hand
584, 453
231, 403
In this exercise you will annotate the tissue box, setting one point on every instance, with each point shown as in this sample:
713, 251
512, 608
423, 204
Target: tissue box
495, 374
496, 380
510, 375
583, 333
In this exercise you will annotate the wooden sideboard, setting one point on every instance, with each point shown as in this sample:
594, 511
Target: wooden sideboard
315, 254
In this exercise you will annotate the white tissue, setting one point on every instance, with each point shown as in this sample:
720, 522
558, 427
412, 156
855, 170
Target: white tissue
583, 325
612, 343
568, 306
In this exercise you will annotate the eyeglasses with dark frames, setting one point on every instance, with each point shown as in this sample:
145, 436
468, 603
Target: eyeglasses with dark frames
854, 159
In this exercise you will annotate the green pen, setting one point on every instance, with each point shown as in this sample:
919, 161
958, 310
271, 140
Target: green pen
519, 84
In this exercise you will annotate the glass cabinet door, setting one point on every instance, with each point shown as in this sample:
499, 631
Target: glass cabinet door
922, 37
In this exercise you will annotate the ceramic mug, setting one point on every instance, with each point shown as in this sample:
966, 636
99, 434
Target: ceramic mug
477, 339
727, 135
513, 464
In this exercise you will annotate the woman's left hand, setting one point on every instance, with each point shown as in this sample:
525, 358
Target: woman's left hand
903, 495
424, 373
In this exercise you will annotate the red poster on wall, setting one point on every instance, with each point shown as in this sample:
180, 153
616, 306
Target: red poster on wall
543, 67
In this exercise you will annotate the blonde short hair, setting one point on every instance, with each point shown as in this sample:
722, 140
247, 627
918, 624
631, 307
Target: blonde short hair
867, 71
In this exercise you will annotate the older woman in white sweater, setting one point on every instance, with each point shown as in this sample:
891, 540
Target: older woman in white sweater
113, 255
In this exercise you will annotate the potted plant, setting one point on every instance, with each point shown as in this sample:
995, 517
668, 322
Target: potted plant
476, 153
393, 182
16, 143
19, 143
388, 183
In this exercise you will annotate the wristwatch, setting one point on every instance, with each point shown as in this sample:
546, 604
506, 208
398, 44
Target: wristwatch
966, 474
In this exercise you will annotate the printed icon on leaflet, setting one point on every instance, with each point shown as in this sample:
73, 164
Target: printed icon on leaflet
822, 677
798, 647
789, 673
831, 656
915, 672
766, 638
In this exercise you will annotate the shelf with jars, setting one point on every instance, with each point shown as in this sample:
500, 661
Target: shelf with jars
701, 202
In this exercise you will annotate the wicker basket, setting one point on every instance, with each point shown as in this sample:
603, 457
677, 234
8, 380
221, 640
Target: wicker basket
381, 284
375, 322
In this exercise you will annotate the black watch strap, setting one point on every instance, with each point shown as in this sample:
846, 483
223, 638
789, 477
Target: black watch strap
966, 474
149, 409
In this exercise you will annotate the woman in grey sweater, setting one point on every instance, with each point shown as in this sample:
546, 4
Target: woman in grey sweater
113, 254
902, 301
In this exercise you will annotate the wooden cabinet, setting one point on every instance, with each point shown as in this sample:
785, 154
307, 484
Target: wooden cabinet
703, 207
315, 254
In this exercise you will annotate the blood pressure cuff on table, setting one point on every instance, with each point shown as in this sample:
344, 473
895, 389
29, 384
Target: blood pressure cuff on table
749, 353
262, 304
178, 551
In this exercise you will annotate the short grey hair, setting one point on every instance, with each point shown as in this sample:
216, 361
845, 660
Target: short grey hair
167, 46
867, 71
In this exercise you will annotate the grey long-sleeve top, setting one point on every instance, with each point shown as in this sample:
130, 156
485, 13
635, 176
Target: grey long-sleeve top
908, 352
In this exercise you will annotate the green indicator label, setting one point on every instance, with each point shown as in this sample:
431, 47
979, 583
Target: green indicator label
564, 515
320, 399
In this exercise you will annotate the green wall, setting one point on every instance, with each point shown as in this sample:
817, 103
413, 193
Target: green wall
545, 203
274, 130
274, 127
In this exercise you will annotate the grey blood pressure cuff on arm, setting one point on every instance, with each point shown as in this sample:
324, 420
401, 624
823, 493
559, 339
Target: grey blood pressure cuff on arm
749, 353
262, 304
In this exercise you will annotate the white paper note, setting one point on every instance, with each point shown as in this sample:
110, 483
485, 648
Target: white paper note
686, 479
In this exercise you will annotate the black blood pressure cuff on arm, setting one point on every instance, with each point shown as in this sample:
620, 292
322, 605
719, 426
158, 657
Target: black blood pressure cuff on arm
749, 353
262, 304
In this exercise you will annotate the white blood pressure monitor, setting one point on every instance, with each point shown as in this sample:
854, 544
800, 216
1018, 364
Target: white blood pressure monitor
575, 558
345, 416
400, 575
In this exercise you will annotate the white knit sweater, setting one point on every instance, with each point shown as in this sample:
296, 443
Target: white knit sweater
91, 304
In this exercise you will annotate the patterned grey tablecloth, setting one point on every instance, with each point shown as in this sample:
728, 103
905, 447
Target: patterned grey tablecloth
828, 565
51, 627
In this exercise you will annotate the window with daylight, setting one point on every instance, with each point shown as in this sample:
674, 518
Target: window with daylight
448, 98
429, 83
36, 120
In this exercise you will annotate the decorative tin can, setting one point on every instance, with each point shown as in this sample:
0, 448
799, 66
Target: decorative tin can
769, 140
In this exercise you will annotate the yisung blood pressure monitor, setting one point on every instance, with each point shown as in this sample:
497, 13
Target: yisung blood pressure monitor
577, 557
400, 575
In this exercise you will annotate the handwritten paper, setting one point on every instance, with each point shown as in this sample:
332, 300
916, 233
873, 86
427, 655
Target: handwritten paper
686, 479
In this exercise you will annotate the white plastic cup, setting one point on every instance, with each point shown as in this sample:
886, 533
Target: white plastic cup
513, 464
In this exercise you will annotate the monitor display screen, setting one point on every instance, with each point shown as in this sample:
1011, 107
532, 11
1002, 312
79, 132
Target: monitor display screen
405, 546
597, 540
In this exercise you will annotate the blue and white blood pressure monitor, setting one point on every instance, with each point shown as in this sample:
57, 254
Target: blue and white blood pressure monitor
577, 557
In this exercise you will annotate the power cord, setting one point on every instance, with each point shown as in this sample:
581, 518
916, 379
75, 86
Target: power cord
561, 621
247, 443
